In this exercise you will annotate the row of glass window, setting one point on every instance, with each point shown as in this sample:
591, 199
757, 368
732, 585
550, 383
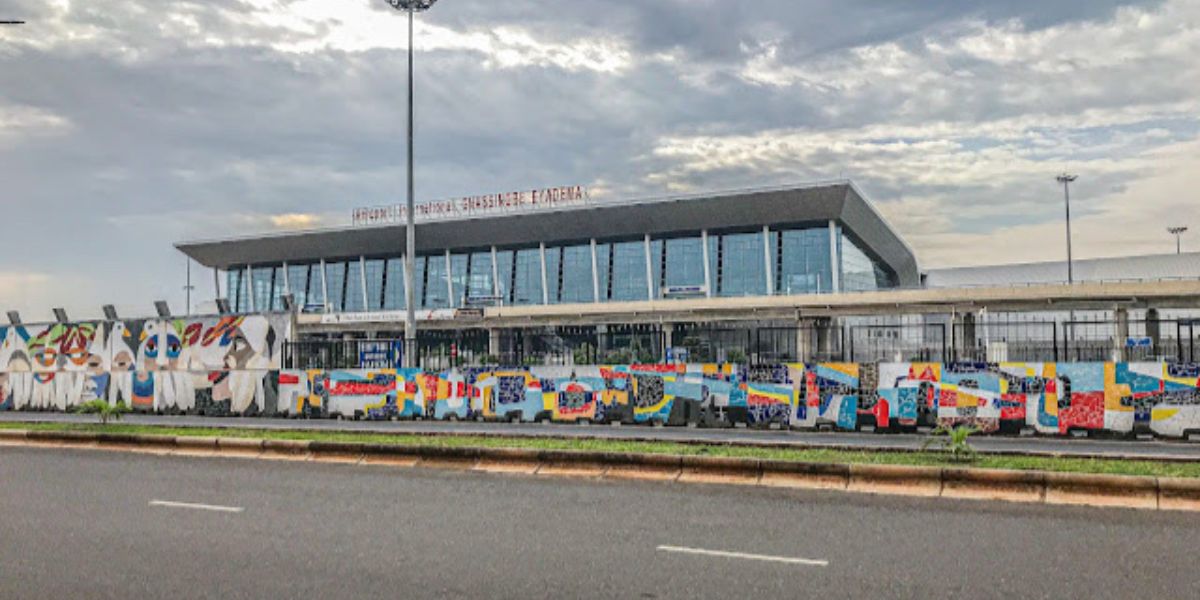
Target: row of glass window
617, 272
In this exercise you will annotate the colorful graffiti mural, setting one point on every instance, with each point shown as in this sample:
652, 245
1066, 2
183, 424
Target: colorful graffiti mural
1049, 398
230, 367
218, 365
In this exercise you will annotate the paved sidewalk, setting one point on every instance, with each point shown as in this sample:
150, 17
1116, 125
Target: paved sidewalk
1081, 447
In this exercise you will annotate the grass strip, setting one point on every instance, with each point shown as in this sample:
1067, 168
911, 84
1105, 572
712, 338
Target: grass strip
816, 455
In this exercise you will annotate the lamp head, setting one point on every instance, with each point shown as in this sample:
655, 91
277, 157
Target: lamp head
1177, 230
1066, 178
413, 5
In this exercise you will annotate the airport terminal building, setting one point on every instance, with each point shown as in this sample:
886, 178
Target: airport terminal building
791, 241
784, 267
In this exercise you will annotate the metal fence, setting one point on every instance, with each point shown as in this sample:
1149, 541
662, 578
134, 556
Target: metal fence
1016, 341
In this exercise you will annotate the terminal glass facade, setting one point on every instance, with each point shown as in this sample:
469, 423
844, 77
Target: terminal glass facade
393, 289
802, 262
859, 272
783, 260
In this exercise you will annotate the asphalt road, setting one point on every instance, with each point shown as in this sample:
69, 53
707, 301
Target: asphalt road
94, 524
1117, 448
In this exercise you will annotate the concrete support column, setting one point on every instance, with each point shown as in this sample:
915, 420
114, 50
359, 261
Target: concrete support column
650, 283
966, 338
601, 342
595, 274
287, 279
1121, 336
494, 342
324, 286
249, 287
804, 340
826, 330
496, 275
708, 279
768, 264
1154, 330
217, 281
404, 274
835, 259
668, 338
362, 270
545, 284
449, 281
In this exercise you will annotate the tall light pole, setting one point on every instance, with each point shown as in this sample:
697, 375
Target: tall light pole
410, 319
1066, 180
188, 287
1178, 233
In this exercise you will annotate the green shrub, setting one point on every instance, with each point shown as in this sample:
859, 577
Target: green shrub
103, 409
953, 440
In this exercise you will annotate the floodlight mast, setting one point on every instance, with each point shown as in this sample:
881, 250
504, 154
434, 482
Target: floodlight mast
1066, 180
1178, 233
410, 357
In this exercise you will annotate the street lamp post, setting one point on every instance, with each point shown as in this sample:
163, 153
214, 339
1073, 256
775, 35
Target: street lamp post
410, 319
1066, 180
1178, 233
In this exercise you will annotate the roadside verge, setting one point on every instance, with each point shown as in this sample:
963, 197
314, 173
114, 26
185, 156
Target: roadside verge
1027, 486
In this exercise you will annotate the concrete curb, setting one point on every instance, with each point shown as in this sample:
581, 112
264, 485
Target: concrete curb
1036, 487
286, 450
902, 480
13, 435
697, 441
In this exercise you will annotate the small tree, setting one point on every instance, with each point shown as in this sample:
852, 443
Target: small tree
103, 409
954, 441
584, 354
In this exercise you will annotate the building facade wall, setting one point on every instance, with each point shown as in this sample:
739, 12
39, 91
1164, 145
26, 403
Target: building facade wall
760, 261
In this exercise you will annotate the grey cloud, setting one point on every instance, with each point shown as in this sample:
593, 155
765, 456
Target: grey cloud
175, 137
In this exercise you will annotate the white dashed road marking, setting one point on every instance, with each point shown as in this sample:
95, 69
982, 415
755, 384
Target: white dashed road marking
744, 556
189, 505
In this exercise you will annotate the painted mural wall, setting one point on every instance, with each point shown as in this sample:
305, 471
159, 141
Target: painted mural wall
1050, 398
230, 366
215, 365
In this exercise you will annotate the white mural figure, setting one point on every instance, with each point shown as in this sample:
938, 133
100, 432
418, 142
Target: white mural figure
177, 354
97, 367
16, 383
248, 359
160, 353
122, 361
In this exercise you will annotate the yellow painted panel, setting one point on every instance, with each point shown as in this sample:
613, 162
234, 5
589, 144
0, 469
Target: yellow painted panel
1162, 414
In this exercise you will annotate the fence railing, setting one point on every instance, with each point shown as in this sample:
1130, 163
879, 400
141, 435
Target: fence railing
995, 342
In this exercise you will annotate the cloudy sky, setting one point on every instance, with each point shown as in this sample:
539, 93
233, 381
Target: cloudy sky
127, 125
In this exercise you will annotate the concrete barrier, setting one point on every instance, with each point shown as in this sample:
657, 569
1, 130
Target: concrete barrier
644, 467
1176, 493
721, 469
994, 484
294, 450
901, 480
196, 446
337, 452
1101, 490
14, 436
1164, 493
447, 458
785, 474
389, 456
512, 461
62, 438
242, 447
562, 463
